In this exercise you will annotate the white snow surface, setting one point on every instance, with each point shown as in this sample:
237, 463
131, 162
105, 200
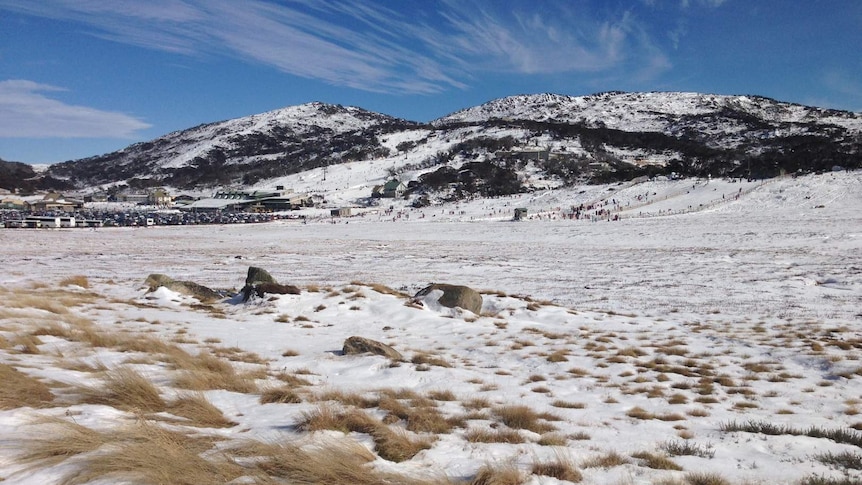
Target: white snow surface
755, 288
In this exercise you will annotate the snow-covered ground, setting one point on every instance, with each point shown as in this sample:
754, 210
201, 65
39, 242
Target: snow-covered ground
708, 303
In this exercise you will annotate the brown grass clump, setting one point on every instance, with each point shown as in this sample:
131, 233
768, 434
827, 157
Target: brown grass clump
639, 413
552, 439
328, 417
424, 419
522, 417
56, 301
347, 398
383, 289
391, 444
332, 462
423, 358
206, 372
442, 395
292, 379
279, 395
64, 440
419, 416
705, 479
329, 462
390, 403
510, 436
199, 412
507, 474
558, 356
656, 461
26, 344
395, 445
150, 454
78, 280
124, 388
561, 468
607, 460
568, 405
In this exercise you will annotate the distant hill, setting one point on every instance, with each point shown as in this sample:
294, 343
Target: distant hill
502, 146
22, 177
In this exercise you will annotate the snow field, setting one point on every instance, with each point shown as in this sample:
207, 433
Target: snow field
642, 337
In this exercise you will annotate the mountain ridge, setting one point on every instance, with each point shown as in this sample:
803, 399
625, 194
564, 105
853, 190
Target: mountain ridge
595, 138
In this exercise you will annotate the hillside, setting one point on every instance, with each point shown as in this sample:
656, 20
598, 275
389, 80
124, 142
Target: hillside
242, 151
21, 176
505, 146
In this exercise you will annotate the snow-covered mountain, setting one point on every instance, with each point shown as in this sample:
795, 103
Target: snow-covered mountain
243, 150
654, 111
505, 145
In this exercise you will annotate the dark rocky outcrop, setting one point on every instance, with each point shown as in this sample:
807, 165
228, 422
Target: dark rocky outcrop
272, 288
258, 276
454, 296
361, 345
259, 282
190, 288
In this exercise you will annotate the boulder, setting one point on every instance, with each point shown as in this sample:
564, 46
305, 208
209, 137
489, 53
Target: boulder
259, 282
257, 276
454, 296
190, 288
361, 345
272, 288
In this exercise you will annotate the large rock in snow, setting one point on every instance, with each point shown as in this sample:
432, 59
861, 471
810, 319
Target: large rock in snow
453, 296
362, 345
259, 282
190, 288
257, 276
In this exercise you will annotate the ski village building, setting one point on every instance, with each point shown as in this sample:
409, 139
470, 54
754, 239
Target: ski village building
251, 201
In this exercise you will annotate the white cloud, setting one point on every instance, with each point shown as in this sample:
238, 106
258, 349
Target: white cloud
550, 39
28, 113
370, 46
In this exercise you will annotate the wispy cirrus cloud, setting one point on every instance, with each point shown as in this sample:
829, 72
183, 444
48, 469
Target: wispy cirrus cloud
29, 113
371, 46
551, 41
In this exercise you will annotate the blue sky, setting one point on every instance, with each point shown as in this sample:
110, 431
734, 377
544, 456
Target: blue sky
86, 77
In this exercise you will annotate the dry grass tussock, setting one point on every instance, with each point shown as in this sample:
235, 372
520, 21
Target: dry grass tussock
126, 389
77, 280
204, 371
381, 288
561, 467
522, 417
393, 444
60, 439
506, 474
56, 301
705, 479
606, 460
279, 395
326, 462
419, 414
487, 435
18, 389
147, 453
656, 461
198, 411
